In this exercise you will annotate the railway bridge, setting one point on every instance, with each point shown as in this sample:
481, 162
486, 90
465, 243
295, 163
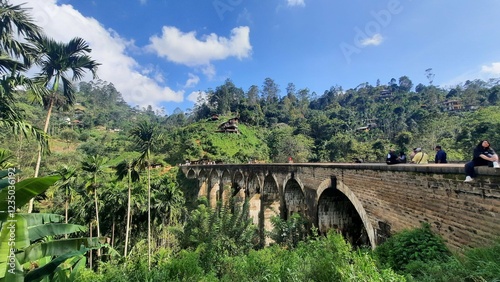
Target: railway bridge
366, 202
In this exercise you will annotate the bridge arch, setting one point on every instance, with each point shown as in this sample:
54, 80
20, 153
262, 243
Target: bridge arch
253, 194
294, 199
270, 201
238, 185
327, 192
191, 174
214, 193
202, 183
226, 186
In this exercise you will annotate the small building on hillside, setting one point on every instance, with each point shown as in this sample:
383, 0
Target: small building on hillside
384, 94
452, 105
230, 126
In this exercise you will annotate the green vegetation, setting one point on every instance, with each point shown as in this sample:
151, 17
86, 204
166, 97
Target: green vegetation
420, 255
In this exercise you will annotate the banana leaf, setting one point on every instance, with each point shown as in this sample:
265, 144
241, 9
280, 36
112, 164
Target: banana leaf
57, 248
14, 235
25, 190
33, 219
52, 229
15, 273
39, 273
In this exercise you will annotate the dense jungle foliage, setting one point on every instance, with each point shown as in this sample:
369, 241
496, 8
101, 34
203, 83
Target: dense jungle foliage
109, 203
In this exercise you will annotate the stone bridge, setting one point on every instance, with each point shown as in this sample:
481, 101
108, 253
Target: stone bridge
365, 202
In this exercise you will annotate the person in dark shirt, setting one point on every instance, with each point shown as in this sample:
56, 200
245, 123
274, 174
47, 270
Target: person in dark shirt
484, 155
402, 157
392, 158
440, 155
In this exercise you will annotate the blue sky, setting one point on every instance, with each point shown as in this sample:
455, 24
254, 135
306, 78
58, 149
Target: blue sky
166, 53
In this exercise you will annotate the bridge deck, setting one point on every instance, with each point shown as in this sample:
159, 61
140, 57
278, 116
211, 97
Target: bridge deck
449, 168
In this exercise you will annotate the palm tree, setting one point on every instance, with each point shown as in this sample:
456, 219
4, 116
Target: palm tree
15, 20
15, 23
146, 135
168, 202
94, 165
56, 59
127, 168
67, 181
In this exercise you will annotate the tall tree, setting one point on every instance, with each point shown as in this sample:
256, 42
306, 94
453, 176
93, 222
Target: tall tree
94, 166
270, 91
405, 84
147, 136
67, 182
253, 95
56, 59
127, 168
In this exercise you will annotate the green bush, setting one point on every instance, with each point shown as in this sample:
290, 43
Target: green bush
483, 264
225, 231
185, 266
412, 245
288, 232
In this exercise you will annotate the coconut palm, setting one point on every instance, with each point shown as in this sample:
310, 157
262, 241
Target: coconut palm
147, 136
94, 166
127, 168
56, 59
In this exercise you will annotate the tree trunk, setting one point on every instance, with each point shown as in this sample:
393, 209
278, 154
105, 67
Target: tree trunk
149, 217
127, 230
90, 251
66, 204
113, 234
97, 217
39, 158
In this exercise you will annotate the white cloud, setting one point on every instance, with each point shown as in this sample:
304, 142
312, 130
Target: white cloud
209, 71
296, 3
192, 80
63, 22
484, 72
493, 69
185, 48
375, 40
196, 96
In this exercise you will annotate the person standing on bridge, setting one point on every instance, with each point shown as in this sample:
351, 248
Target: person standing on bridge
483, 155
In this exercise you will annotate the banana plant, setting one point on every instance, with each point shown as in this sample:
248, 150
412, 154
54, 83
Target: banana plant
32, 247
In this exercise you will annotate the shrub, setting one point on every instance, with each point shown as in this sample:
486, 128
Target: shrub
288, 232
412, 245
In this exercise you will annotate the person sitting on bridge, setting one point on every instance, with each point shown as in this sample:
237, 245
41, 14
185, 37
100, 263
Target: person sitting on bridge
440, 157
412, 154
402, 157
483, 155
420, 157
392, 158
